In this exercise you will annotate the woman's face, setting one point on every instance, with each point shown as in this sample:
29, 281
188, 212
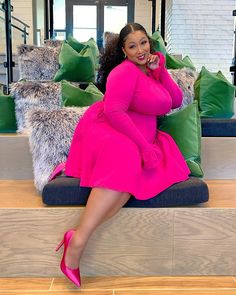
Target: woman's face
137, 47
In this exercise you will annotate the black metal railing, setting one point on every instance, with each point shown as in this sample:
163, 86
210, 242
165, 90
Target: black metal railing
48, 20
232, 69
163, 18
11, 23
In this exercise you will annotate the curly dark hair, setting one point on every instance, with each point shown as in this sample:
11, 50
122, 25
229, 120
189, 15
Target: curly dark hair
113, 54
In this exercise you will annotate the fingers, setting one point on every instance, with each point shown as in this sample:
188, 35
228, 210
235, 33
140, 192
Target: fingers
153, 58
153, 61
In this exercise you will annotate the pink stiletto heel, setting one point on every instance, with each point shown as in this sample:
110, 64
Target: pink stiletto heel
59, 246
72, 274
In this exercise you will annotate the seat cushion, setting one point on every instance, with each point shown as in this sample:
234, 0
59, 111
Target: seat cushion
218, 127
67, 191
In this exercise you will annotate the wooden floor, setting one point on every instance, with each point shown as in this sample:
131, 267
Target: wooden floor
202, 285
22, 194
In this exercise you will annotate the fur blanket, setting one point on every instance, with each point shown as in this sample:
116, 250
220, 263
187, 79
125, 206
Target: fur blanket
38, 63
33, 95
50, 135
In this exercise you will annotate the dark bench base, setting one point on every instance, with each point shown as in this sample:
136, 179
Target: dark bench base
66, 191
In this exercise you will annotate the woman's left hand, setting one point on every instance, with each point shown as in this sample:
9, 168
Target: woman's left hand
153, 61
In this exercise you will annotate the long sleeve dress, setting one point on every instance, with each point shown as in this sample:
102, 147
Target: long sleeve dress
117, 144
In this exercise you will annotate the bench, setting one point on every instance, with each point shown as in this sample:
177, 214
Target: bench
67, 191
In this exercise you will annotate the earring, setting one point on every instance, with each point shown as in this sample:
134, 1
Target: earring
125, 55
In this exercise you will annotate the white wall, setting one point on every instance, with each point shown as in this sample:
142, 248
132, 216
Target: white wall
203, 30
3, 41
23, 11
143, 14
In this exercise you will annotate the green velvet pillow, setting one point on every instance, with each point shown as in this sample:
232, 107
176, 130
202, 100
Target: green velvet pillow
185, 128
75, 44
7, 114
78, 46
215, 95
74, 96
74, 66
175, 63
158, 42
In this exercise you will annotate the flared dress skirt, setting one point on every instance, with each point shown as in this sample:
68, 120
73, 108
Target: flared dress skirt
103, 157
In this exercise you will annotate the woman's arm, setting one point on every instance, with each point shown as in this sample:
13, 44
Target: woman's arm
120, 90
170, 85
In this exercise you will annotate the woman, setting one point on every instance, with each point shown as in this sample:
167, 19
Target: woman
116, 149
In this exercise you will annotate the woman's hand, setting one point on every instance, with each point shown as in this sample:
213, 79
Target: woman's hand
153, 61
151, 157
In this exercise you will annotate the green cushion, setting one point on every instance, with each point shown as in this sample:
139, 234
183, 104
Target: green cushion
175, 63
7, 114
78, 46
75, 44
215, 95
74, 66
74, 96
185, 128
158, 42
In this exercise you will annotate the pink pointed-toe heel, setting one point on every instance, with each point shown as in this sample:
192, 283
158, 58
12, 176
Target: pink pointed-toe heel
72, 274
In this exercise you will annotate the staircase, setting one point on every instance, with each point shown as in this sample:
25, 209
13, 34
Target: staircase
195, 240
2, 70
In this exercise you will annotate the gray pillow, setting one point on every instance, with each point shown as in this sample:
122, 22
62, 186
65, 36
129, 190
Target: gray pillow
50, 135
185, 78
37, 63
32, 95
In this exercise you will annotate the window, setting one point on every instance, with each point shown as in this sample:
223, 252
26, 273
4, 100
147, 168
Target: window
85, 19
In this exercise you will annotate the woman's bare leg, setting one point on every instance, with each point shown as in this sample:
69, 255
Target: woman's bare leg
102, 204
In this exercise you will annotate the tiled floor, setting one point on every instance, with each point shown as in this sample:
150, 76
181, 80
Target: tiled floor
202, 285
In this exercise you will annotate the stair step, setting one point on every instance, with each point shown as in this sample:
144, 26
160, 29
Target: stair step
2, 79
15, 157
218, 157
3, 56
125, 285
16, 75
194, 240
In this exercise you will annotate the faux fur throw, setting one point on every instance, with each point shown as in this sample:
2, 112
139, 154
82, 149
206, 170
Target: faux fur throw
53, 43
38, 63
50, 135
33, 95
185, 78
109, 38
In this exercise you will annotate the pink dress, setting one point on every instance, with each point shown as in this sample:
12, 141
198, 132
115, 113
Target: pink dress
117, 145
